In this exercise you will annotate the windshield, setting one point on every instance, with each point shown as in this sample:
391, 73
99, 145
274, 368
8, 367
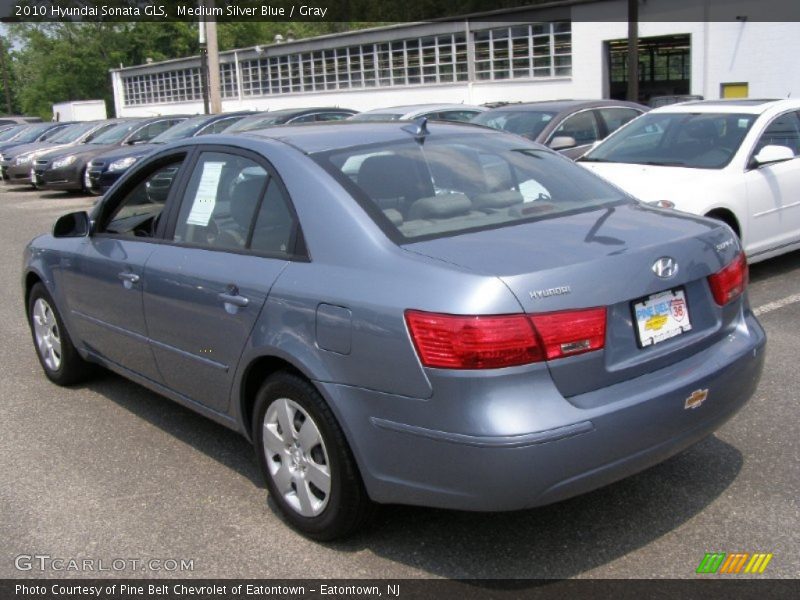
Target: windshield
693, 140
458, 183
72, 133
33, 132
9, 133
529, 123
184, 129
116, 134
382, 116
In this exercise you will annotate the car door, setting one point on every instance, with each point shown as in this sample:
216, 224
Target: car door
614, 117
773, 190
231, 236
105, 287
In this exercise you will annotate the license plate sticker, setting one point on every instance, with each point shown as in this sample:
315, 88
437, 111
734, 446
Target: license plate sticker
661, 316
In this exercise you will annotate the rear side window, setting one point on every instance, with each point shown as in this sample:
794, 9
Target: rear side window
452, 184
220, 201
232, 203
616, 117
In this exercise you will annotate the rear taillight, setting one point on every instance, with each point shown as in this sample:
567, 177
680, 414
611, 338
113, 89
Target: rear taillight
729, 283
496, 341
571, 332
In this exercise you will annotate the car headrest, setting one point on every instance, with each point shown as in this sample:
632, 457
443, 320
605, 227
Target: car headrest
440, 207
244, 198
497, 200
387, 176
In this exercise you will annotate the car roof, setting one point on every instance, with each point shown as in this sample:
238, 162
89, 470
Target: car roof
557, 106
754, 106
414, 108
311, 138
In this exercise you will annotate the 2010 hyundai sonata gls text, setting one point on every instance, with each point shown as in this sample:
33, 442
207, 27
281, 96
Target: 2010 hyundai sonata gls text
415, 312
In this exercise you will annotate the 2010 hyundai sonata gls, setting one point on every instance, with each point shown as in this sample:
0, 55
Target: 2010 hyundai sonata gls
413, 313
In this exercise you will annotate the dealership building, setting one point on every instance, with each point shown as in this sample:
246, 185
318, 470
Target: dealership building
558, 49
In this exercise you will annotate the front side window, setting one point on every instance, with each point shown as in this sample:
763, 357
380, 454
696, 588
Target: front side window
457, 183
138, 213
582, 127
693, 140
784, 130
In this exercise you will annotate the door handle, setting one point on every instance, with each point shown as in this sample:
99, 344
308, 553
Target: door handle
234, 299
128, 279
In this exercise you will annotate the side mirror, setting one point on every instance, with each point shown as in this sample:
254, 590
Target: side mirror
562, 142
74, 224
772, 154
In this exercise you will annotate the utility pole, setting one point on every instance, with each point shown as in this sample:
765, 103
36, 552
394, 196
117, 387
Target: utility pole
4, 69
201, 28
633, 50
215, 99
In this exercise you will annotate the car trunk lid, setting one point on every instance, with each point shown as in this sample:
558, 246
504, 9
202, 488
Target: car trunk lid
605, 258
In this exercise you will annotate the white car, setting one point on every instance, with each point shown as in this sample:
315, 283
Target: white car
734, 160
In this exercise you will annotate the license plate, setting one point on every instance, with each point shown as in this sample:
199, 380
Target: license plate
661, 316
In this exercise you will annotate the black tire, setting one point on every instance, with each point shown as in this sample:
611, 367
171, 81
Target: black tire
346, 505
71, 368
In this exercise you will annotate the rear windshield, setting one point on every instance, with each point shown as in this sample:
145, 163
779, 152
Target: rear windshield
529, 123
453, 184
382, 116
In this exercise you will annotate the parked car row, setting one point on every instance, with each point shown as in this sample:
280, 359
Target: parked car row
90, 157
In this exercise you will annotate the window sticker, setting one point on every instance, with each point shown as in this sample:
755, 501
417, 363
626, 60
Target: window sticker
206, 197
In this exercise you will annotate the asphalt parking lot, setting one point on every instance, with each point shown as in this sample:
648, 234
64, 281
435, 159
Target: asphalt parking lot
110, 470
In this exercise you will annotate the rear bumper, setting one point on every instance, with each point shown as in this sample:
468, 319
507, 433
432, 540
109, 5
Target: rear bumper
541, 448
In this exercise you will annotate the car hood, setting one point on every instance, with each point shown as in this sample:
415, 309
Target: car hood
136, 151
602, 256
650, 182
32, 147
83, 150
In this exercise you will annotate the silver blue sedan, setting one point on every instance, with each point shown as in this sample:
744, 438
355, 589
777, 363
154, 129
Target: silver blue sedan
430, 314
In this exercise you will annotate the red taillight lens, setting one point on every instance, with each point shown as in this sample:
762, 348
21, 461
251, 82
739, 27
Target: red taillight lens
572, 332
729, 283
472, 342
492, 342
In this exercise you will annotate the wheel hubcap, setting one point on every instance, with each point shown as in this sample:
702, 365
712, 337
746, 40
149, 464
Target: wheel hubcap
47, 334
297, 457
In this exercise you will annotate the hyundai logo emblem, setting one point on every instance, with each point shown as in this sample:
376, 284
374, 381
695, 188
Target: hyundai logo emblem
665, 267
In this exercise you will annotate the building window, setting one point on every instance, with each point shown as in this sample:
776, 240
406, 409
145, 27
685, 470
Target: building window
524, 51
521, 51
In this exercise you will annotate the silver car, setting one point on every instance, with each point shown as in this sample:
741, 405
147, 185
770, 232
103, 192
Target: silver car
430, 314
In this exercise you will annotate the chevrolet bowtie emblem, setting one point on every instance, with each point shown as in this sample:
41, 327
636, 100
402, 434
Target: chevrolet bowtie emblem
696, 398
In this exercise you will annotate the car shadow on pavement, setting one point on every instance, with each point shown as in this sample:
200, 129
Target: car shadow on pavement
560, 540
775, 267
215, 441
